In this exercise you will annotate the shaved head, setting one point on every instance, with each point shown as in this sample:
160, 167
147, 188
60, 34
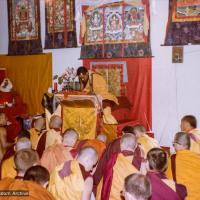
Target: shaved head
55, 122
70, 137
128, 142
102, 138
88, 157
137, 186
25, 159
182, 140
22, 143
39, 123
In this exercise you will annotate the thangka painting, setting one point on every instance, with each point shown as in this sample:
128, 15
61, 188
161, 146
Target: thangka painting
113, 73
24, 27
60, 24
116, 30
184, 22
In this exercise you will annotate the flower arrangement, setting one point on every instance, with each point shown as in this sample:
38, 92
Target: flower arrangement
67, 79
68, 76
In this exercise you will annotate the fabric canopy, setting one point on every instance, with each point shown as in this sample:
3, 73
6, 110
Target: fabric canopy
31, 77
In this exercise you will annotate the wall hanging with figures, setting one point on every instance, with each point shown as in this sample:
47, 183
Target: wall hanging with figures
60, 24
24, 27
183, 26
116, 30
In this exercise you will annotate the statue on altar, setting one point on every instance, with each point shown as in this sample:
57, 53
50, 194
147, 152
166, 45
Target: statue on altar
6, 93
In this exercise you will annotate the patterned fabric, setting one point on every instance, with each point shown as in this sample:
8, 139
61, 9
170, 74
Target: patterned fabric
60, 24
184, 23
24, 27
82, 116
113, 74
116, 30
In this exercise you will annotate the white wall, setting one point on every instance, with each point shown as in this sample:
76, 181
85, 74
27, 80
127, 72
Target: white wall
176, 88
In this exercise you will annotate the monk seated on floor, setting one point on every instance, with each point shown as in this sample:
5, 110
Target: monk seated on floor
119, 166
73, 179
8, 165
112, 148
189, 125
137, 187
185, 165
35, 179
146, 142
54, 133
162, 188
36, 131
57, 154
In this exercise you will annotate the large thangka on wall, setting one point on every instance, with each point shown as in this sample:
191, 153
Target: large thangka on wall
116, 30
24, 27
184, 22
60, 24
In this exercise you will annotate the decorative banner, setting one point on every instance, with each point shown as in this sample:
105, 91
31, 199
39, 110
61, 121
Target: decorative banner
116, 30
24, 27
184, 22
60, 24
186, 10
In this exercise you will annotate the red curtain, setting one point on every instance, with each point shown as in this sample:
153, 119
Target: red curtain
138, 88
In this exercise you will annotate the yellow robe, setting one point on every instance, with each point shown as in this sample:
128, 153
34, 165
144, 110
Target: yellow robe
100, 87
70, 187
122, 168
8, 168
187, 172
33, 190
147, 143
195, 145
96, 144
53, 137
55, 155
34, 137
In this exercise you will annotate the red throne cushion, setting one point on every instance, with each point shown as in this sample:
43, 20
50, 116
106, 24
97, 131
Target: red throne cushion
122, 114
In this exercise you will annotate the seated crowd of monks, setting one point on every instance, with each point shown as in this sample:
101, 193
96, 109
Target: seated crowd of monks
48, 164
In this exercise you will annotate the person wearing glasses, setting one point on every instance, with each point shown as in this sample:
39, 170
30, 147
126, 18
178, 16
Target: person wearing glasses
185, 165
189, 126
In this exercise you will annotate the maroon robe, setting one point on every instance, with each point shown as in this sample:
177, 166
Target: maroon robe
108, 171
160, 190
112, 148
41, 144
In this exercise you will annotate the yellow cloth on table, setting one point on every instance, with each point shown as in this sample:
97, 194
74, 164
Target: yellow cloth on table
55, 155
33, 190
195, 145
70, 187
100, 87
81, 116
147, 143
187, 172
122, 168
53, 137
31, 76
110, 130
8, 168
34, 136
